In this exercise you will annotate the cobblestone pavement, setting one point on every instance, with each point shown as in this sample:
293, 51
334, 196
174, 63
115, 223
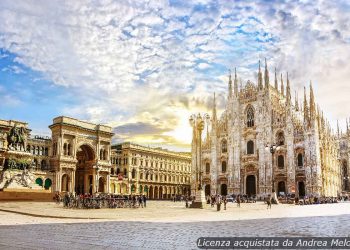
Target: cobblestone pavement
26, 232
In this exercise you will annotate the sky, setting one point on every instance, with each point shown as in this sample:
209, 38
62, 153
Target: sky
143, 67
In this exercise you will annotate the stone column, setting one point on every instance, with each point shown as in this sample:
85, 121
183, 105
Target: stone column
108, 183
72, 182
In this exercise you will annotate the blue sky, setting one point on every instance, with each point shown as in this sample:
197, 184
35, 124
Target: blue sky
145, 67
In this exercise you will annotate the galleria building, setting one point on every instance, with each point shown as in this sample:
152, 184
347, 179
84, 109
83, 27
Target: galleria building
80, 158
265, 142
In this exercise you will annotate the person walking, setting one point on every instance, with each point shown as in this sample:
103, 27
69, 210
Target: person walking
144, 200
225, 202
238, 200
269, 201
218, 202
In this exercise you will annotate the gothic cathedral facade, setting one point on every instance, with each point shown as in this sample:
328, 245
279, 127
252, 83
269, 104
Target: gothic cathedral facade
265, 142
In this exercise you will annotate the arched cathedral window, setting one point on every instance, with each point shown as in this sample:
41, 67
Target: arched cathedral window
250, 147
250, 117
223, 167
280, 138
280, 161
300, 160
207, 168
224, 146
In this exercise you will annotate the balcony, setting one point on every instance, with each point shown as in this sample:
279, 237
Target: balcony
249, 158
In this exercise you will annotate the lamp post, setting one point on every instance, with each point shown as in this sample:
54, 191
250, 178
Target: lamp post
272, 149
197, 124
346, 180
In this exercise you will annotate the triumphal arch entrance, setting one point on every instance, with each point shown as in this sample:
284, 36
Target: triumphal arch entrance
80, 156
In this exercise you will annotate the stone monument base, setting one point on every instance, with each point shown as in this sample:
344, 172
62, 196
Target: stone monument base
274, 196
26, 195
199, 201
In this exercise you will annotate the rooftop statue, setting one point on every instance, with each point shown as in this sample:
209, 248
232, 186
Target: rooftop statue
17, 138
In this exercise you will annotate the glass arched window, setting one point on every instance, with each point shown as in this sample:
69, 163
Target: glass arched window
64, 149
133, 174
250, 117
280, 138
223, 167
224, 146
250, 147
300, 160
207, 168
280, 161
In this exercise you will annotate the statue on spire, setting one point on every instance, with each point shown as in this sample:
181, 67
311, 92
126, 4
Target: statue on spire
296, 102
266, 76
312, 103
282, 86
288, 91
236, 84
214, 112
260, 85
276, 83
229, 85
306, 109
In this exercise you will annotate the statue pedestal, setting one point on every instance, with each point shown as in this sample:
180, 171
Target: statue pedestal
274, 196
199, 201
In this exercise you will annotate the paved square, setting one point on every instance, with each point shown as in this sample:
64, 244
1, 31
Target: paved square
162, 225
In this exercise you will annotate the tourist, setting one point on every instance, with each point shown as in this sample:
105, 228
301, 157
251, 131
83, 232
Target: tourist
212, 200
269, 201
238, 200
144, 200
140, 200
186, 202
225, 202
218, 202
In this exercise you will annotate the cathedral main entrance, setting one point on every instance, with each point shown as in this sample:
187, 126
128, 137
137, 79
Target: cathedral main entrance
301, 189
250, 185
223, 189
207, 189
281, 188
84, 175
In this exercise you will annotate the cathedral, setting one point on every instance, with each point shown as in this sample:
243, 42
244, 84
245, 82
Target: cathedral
265, 142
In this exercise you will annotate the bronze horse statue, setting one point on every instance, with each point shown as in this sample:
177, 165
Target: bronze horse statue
17, 137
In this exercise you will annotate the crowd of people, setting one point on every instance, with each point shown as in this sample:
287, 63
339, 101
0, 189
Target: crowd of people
100, 200
218, 200
310, 200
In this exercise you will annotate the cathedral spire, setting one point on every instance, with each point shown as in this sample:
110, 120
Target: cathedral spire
260, 85
306, 108
296, 102
214, 111
236, 83
312, 102
282, 86
229, 85
288, 91
276, 83
266, 76
338, 128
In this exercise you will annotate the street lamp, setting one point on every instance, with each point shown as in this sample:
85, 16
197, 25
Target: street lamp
197, 124
272, 149
346, 179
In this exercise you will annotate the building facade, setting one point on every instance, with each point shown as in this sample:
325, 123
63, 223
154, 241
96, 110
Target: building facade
80, 158
75, 159
156, 172
266, 142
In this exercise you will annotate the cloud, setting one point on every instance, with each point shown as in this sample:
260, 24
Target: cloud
147, 66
